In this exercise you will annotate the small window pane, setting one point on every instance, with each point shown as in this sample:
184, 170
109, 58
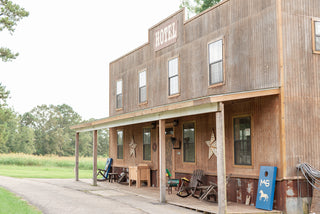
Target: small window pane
120, 145
242, 141
215, 51
216, 73
143, 94
119, 87
188, 142
317, 28
318, 43
119, 101
142, 78
173, 67
147, 144
174, 85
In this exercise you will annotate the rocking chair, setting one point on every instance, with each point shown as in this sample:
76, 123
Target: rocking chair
104, 172
189, 187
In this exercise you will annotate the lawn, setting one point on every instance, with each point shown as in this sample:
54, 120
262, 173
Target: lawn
10, 204
31, 166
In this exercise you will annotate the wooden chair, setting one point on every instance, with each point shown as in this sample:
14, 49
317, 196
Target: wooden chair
189, 187
104, 172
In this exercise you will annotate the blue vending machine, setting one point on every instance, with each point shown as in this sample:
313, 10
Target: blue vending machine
266, 187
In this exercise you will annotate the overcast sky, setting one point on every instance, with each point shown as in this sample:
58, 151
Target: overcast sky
66, 46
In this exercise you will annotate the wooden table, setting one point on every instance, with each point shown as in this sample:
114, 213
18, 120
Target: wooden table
139, 173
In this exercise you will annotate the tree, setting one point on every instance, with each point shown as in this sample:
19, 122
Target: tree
10, 15
4, 95
197, 6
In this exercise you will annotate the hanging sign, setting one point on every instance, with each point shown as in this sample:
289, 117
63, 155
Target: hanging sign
165, 35
266, 187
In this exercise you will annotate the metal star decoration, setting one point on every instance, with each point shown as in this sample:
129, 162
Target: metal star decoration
132, 146
212, 143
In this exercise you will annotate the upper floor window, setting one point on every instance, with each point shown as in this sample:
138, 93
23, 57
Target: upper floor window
147, 144
215, 62
316, 36
242, 141
119, 144
143, 86
173, 75
189, 142
119, 94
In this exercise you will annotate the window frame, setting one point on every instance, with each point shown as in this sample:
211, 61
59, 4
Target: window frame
222, 60
118, 145
140, 87
251, 141
118, 108
177, 75
314, 36
143, 144
183, 144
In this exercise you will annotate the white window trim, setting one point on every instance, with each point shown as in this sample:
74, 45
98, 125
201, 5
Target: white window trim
178, 75
223, 62
139, 87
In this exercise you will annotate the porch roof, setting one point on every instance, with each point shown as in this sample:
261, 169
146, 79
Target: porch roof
179, 109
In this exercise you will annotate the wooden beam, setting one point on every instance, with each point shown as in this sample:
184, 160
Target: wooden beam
95, 152
76, 170
196, 106
221, 163
162, 155
283, 169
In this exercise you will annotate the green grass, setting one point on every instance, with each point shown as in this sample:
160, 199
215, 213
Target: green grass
10, 204
31, 166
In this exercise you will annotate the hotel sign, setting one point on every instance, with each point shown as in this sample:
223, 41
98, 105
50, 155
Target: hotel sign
165, 35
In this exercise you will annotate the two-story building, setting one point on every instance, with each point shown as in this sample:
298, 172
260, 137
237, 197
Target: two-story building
246, 71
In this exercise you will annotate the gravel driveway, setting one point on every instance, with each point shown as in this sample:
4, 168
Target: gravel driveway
68, 196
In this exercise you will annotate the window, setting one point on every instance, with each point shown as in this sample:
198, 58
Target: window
143, 86
120, 144
215, 62
147, 144
173, 74
188, 142
316, 34
242, 141
119, 94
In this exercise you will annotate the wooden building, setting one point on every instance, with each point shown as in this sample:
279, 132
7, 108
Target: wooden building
247, 71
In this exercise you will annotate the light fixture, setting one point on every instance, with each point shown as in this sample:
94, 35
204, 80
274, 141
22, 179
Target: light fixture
153, 125
175, 122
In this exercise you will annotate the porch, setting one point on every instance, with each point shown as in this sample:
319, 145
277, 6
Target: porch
108, 189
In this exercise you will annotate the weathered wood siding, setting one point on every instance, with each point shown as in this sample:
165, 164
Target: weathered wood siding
302, 84
265, 134
248, 28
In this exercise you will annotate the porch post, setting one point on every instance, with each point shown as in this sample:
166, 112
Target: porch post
76, 170
162, 157
95, 143
221, 164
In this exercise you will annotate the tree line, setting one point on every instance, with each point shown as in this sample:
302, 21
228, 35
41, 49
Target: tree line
45, 130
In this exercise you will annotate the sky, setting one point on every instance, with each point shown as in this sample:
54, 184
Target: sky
66, 46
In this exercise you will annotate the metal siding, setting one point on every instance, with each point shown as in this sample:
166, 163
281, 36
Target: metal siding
250, 55
302, 80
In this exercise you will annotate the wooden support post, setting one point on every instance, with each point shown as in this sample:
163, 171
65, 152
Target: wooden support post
162, 155
76, 170
221, 164
95, 146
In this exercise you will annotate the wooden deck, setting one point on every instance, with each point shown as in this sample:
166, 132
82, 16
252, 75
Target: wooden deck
189, 202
